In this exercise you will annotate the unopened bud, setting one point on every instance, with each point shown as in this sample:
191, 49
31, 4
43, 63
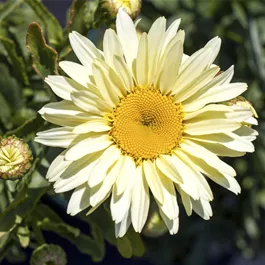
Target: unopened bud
15, 157
111, 7
48, 254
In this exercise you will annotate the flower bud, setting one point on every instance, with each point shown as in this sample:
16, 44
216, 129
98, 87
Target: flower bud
132, 7
48, 254
15, 157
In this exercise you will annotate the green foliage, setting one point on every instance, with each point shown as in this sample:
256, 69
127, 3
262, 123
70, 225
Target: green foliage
32, 42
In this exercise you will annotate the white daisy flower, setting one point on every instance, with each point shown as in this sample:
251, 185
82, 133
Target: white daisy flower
143, 118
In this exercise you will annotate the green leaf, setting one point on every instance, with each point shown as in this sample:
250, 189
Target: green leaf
84, 243
54, 30
124, 247
17, 62
8, 7
23, 204
61, 228
77, 13
137, 244
5, 109
10, 88
44, 57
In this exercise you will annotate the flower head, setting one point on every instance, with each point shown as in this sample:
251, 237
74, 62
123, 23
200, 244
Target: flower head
142, 117
15, 157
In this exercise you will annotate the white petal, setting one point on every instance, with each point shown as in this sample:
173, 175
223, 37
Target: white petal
127, 36
122, 227
142, 66
140, 200
64, 113
192, 87
170, 206
171, 68
84, 49
202, 208
62, 86
77, 72
211, 126
166, 165
101, 191
210, 158
79, 200
57, 167
60, 137
123, 72
109, 84
126, 175
97, 124
155, 35
90, 102
170, 34
94, 143
120, 205
188, 176
209, 108
215, 44
111, 46
76, 174
101, 168
172, 225
186, 200
192, 68
224, 180
205, 191
153, 180
215, 94
229, 140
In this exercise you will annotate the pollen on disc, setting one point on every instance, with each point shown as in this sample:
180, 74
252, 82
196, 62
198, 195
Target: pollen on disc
146, 124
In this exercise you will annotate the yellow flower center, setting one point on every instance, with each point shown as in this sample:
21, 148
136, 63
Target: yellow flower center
146, 124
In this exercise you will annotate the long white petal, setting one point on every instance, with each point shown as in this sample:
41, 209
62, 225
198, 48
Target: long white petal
84, 49
79, 199
94, 143
140, 200
64, 113
63, 86
57, 167
60, 137
100, 170
77, 72
127, 35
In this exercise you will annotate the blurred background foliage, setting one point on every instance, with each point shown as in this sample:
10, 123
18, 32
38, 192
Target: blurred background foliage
32, 42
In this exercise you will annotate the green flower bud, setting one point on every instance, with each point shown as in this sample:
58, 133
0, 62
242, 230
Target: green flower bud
15, 157
111, 7
48, 254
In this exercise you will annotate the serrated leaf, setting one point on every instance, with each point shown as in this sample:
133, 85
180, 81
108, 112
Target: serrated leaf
44, 57
17, 62
54, 30
125, 247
